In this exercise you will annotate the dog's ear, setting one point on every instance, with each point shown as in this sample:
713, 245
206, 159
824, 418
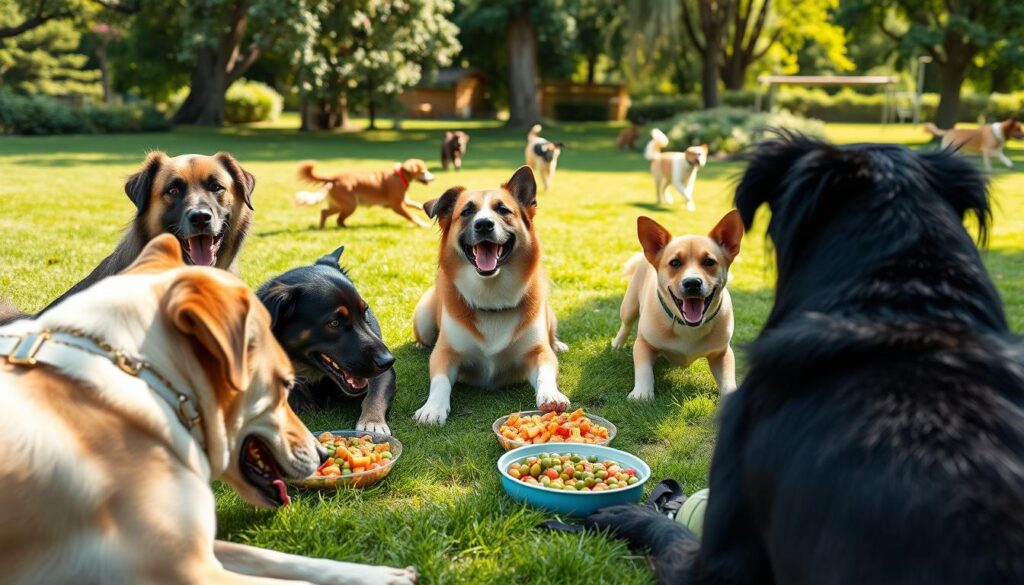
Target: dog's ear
728, 234
441, 208
280, 300
333, 259
162, 253
245, 181
962, 185
139, 186
464, 137
523, 186
560, 145
215, 317
653, 238
448, 135
767, 165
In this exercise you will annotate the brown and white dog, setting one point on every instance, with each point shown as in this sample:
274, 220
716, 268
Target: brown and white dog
345, 191
987, 140
453, 148
148, 386
677, 291
678, 169
487, 316
628, 137
542, 155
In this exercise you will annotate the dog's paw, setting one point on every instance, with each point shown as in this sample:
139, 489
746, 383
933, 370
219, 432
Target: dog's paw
432, 414
627, 521
559, 346
421, 345
691, 206
641, 394
552, 400
620, 341
377, 575
373, 426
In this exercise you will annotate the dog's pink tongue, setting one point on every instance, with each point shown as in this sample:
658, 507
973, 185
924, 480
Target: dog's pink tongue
486, 256
200, 250
282, 490
693, 310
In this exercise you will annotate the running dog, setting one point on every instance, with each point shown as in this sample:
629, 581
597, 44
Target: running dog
678, 169
987, 140
453, 148
542, 155
628, 137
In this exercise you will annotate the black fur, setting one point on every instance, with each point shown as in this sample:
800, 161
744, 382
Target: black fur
303, 303
878, 436
453, 148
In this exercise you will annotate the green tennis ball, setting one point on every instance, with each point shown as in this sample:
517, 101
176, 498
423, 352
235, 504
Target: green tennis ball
691, 514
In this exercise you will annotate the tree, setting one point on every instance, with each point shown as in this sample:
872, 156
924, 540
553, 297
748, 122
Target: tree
952, 33
599, 32
22, 16
45, 60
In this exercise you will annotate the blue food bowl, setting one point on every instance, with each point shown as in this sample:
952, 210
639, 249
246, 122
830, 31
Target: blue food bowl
572, 503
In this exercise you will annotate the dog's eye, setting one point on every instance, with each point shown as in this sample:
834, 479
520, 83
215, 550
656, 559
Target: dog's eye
502, 210
675, 263
709, 262
217, 188
173, 191
335, 323
467, 211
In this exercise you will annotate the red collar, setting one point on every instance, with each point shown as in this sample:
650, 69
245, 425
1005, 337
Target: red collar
401, 175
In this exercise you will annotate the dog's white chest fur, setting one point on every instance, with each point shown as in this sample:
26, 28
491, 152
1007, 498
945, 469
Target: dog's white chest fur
499, 351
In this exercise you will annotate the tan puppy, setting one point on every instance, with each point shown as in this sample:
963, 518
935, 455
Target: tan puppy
345, 191
677, 291
678, 169
542, 155
988, 139
488, 316
151, 384
628, 137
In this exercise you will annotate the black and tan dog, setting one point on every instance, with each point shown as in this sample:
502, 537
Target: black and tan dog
453, 148
879, 434
204, 201
333, 340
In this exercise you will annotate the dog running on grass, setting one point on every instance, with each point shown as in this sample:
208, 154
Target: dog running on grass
453, 148
988, 139
678, 169
542, 155
878, 436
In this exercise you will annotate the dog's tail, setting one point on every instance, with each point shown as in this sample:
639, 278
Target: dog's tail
934, 130
306, 173
309, 197
658, 141
535, 131
629, 270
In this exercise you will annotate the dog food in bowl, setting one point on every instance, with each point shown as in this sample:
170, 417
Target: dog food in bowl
354, 458
535, 427
569, 471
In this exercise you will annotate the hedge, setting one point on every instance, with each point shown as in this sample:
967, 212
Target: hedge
245, 102
41, 115
580, 111
729, 130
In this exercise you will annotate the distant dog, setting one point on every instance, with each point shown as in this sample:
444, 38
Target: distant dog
878, 436
987, 140
677, 293
487, 317
204, 201
333, 340
346, 191
628, 137
678, 169
542, 156
453, 148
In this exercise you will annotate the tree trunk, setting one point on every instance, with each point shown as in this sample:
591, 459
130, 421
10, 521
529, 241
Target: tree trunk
101, 56
204, 105
371, 109
734, 74
521, 48
952, 73
709, 76
324, 114
591, 68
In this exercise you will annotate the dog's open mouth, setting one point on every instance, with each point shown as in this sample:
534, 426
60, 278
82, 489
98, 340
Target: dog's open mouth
693, 309
201, 250
487, 257
262, 471
350, 384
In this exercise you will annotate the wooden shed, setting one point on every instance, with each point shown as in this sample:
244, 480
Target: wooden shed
614, 96
454, 92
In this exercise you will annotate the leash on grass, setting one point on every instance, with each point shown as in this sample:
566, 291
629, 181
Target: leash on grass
666, 498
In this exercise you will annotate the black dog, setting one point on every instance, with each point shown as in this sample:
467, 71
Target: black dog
453, 148
879, 434
333, 340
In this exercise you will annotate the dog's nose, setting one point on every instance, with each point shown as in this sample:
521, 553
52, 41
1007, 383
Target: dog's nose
199, 217
483, 225
383, 360
692, 284
321, 452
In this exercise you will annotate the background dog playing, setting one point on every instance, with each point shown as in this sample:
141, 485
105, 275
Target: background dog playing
345, 191
628, 137
677, 292
542, 155
987, 140
878, 436
453, 148
333, 340
678, 169
204, 201
487, 317
115, 462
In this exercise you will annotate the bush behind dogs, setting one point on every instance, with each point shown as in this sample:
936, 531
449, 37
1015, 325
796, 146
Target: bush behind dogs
729, 130
244, 103
39, 115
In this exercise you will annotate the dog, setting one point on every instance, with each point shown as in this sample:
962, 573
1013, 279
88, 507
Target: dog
345, 191
677, 292
987, 140
124, 402
628, 137
542, 155
678, 169
878, 436
487, 316
333, 340
204, 201
453, 148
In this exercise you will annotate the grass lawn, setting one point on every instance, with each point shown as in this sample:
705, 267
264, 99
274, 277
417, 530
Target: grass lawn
443, 509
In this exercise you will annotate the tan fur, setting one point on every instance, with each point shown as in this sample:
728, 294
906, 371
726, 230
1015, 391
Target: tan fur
982, 139
104, 475
347, 190
676, 169
628, 138
488, 330
651, 273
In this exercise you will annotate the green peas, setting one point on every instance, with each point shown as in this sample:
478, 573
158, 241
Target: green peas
575, 458
592, 459
601, 474
632, 480
580, 485
535, 470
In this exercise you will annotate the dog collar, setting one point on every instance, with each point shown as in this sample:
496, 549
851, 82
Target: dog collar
401, 175
65, 350
675, 318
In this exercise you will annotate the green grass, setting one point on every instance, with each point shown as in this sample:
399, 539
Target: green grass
442, 509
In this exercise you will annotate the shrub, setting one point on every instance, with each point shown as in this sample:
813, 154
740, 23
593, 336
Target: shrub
729, 130
655, 108
251, 101
580, 111
41, 115
849, 106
